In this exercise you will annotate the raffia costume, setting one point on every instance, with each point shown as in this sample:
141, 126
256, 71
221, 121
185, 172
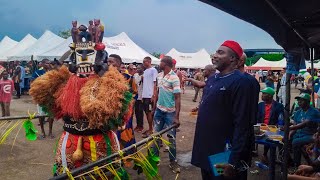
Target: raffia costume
92, 107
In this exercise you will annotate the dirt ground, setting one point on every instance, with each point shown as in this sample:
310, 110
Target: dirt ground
33, 160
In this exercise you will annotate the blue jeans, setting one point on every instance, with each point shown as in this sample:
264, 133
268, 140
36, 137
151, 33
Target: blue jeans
298, 141
162, 120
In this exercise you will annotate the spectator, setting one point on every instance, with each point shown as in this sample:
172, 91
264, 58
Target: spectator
138, 103
178, 73
123, 69
225, 115
269, 112
282, 89
148, 92
309, 172
208, 71
260, 73
199, 77
306, 119
6, 90
270, 80
125, 135
18, 79
44, 67
131, 69
55, 64
167, 109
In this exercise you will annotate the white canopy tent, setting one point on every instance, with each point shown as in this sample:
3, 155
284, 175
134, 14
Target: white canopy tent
315, 65
190, 60
57, 51
46, 42
265, 63
121, 44
268, 65
26, 42
6, 44
128, 50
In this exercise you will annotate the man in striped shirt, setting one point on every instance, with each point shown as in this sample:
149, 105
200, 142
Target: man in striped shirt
167, 108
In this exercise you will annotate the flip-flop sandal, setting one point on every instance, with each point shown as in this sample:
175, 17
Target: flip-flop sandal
52, 137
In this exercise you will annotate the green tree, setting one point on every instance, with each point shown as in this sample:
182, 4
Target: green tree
64, 34
155, 54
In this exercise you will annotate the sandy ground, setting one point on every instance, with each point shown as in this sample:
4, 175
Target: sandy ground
33, 160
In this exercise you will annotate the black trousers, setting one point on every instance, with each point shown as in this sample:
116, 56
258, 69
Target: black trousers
138, 110
208, 175
18, 89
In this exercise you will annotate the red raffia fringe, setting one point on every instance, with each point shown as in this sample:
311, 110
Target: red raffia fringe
69, 99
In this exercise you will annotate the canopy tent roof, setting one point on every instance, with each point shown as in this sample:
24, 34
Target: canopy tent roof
293, 27
120, 44
268, 65
6, 44
315, 65
190, 60
57, 51
46, 42
26, 42
128, 50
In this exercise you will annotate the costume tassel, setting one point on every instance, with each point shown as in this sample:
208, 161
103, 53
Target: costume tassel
69, 99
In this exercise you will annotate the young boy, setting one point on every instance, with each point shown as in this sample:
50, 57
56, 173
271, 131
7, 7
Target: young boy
6, 90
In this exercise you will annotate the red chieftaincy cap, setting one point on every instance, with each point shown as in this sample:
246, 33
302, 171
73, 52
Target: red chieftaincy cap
234, 46
174, 61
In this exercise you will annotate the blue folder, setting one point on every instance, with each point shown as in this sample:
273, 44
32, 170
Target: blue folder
220, 158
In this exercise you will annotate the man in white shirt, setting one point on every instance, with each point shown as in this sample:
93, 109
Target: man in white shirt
149, 84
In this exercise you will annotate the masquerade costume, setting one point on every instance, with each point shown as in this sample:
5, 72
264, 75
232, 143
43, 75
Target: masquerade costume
92, 107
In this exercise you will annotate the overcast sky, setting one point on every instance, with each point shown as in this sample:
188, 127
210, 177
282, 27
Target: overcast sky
155, 25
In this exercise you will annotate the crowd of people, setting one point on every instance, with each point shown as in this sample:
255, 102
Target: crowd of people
227, 112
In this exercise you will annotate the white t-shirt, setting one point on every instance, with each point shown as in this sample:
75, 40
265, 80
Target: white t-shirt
149, 77
139, 84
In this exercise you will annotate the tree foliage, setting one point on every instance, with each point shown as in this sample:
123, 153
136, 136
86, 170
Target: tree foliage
64, 33
156, 54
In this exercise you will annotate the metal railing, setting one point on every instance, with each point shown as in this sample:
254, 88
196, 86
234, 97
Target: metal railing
105, 160
19, 117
